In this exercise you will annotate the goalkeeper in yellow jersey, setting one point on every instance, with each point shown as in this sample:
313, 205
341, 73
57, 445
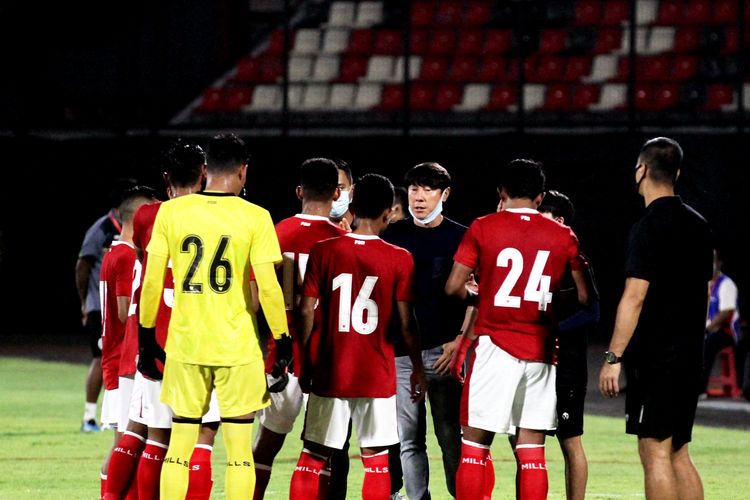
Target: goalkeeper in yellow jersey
212, 239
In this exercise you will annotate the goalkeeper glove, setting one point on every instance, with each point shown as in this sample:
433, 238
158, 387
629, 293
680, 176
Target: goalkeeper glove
284, 362
148, 352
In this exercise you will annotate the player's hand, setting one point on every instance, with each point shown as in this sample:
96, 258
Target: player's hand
344, 224
459, 357
418, 381
443, 364
283, 364
148, 352
609, 380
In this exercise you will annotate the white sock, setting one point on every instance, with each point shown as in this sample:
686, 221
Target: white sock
89, 412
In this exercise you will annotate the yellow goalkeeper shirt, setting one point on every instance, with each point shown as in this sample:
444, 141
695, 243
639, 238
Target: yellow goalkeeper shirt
212, 239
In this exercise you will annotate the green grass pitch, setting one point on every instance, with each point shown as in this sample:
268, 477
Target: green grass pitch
44, 456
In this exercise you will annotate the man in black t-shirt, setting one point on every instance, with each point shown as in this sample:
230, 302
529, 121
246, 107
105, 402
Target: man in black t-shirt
659, 325
432, 239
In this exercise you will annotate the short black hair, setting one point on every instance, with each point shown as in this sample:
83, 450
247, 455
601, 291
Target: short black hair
183, 162
226, 153
429, 174
663, 156
119, 186
373, 195
319, 178
522, 178
558, 205
401, 197
343, 165
130, 197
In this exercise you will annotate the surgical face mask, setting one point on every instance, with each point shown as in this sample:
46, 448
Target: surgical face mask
432, 215
340, 206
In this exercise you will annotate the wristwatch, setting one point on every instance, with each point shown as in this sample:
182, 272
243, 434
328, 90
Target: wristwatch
612, 358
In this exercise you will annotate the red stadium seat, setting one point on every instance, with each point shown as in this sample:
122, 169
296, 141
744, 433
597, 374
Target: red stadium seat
422, 97
644, 97
553, 41
492, 69
608, 40
463, 69
276, 42
671, 12
212, 101
686, 39
237, 97
392, 98
352, 69
719, 95
423, 13
443, 42
498, 41
478, 13
615, 12
588, 12
666, 96
623, 69
419, 42
448, 13
271, 69
470, 42
698, 11
434, 69
447, 96
584, 96
557, 98
247, 69
725, 11
684, 68
653, 68
502, 97
577, 68
548, 69
361, 41
388, 42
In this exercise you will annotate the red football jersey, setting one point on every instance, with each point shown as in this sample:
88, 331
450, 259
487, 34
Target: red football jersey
130, 343
358, 279
296, 236
520, 258
143, 224
115, 280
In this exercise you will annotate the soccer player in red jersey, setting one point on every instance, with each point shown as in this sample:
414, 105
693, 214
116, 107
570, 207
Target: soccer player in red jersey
317, 191
115, 288
362, 284
520, 258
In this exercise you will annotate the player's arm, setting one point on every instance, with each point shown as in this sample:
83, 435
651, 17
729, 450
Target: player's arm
628, 312
84, 265
306, 318
582, 287
153, 286
457, 280
123, 304
271, 299
443, 364
411, 342
721, 319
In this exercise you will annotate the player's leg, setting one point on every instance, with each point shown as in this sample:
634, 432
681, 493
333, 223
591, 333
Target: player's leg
337, 470
659, 477
326, 426
412, 430
109, 417
276, 421
475, 450
689, 484
158, 418
570, 405
376, 424
201, 478
94, 373
445, 399
576, 467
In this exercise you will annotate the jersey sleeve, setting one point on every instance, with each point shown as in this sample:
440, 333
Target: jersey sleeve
124, 276
405, 283
265, 247
640, 259
575, 259
93, 242
158, 243
727, 295
468, 250
313, 273
139, 227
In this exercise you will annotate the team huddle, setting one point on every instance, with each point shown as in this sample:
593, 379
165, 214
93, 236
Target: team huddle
213, 316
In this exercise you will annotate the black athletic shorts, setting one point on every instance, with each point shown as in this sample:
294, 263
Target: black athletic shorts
661, 402
570, 401
94, 329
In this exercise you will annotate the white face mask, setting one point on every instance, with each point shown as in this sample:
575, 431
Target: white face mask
340, 206
432, 215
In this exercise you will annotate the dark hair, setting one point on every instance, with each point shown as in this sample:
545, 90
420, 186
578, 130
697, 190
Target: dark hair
119, 186
401, 197
131, 196
429, 174
663, 156
522, 178
226, 153
344, 166
182, 162
319, 178
558, 205
373, 195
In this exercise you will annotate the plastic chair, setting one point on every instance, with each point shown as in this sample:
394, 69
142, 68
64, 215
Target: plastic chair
725, 383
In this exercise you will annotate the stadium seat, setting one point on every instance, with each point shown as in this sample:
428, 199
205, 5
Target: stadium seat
671, 12
477, 13
666, 96
533, 96
588, 12
502, 98
683, 67
447, 96
463, 69
352, 69
660, 39
585, 96
342, 14
415, 66
548, 69
613, 96
644, 97
212, 100
368, 96
276, 42
442, 41
388, 42
698, 12
725, 11
603, 68
577, 68
557, 98
448, 13
422, 14
646, 12
247, 69
368, 14
235, 98
616, 12
271, 69
492, 69
746, 98
434, 69
325, 69
686, 39
300, 68
731, 41
470, 42
419, 42
498, 41
361, 41
476, 96
553, 41
335, 41
608, 40
265, 98
307, 41
653, 68
422, 97
315, 97
342, 96
295, 94
720, 97
380, 69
